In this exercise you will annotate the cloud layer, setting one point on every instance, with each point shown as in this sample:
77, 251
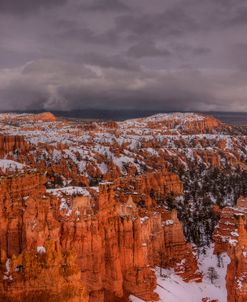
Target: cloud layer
164, 55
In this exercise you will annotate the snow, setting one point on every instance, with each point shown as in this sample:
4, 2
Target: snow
239, 283
10, 165
187, 117
152, 151
7, 265
64, 205
143, 219
103, 168
235, 234
83, 148
233, 242
65, 193
7, 275
106, 183
69, 191
169, 222
173, 289
41, 249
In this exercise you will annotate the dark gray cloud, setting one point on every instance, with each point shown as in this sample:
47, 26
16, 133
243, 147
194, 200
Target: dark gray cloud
147, 49
104, 5
169, 23
24, 7
159, 54
112, 61
239, 18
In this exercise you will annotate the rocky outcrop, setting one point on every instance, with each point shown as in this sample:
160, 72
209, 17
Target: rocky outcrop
36, 268
231, 237
100, 255
100, 243
20, 186
13, 144
87, 153
31, 259
44, 117
166, 246
190, 123
149, 189
38, 117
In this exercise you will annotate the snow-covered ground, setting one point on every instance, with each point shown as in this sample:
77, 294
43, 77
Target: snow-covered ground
69, 191
173, 289
10, 165
135, 142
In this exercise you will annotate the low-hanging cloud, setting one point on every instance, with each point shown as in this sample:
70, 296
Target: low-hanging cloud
48, 85
171, 55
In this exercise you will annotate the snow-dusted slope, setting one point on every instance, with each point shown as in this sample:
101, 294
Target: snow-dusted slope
10, 165
172, 288
162, 136
196, 147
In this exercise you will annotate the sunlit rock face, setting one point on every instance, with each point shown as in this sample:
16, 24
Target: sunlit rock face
87, 209
12, 143
84, 153
231, 236
44, 117
89, 244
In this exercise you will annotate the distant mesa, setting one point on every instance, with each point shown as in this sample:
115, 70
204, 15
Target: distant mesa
26, 117
45, 117
187, 122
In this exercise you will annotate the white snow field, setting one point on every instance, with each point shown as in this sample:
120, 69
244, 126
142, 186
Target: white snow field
173, 289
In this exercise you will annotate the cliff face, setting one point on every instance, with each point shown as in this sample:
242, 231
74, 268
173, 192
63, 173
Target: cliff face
100, 241
30, 271
12, 143
44, 117
17, 186
166, 246
149, 189
95, 248
231, 237
189, 123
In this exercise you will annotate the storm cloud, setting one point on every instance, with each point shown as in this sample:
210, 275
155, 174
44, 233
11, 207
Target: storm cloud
105, 54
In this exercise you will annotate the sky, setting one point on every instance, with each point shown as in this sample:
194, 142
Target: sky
181, 55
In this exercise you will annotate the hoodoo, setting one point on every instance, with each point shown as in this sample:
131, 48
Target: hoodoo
99, 212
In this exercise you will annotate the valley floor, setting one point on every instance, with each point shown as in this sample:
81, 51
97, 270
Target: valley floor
172, 288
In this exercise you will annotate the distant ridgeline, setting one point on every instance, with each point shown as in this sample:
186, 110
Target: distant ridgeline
235, 118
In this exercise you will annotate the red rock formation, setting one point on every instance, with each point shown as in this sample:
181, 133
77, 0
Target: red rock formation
41, 117
32, 262
76, 151
231, 237
103, 247
96, 257
44, 117
190, 124
12, 144
166, 247
149, 187
17, 186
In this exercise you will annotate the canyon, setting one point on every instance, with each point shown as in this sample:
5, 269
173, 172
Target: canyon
231, 237
89, 210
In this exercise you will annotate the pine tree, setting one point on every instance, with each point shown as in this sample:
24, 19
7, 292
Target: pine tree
212, 274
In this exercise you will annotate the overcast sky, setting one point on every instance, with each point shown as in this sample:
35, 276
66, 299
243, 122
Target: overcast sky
123, 54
